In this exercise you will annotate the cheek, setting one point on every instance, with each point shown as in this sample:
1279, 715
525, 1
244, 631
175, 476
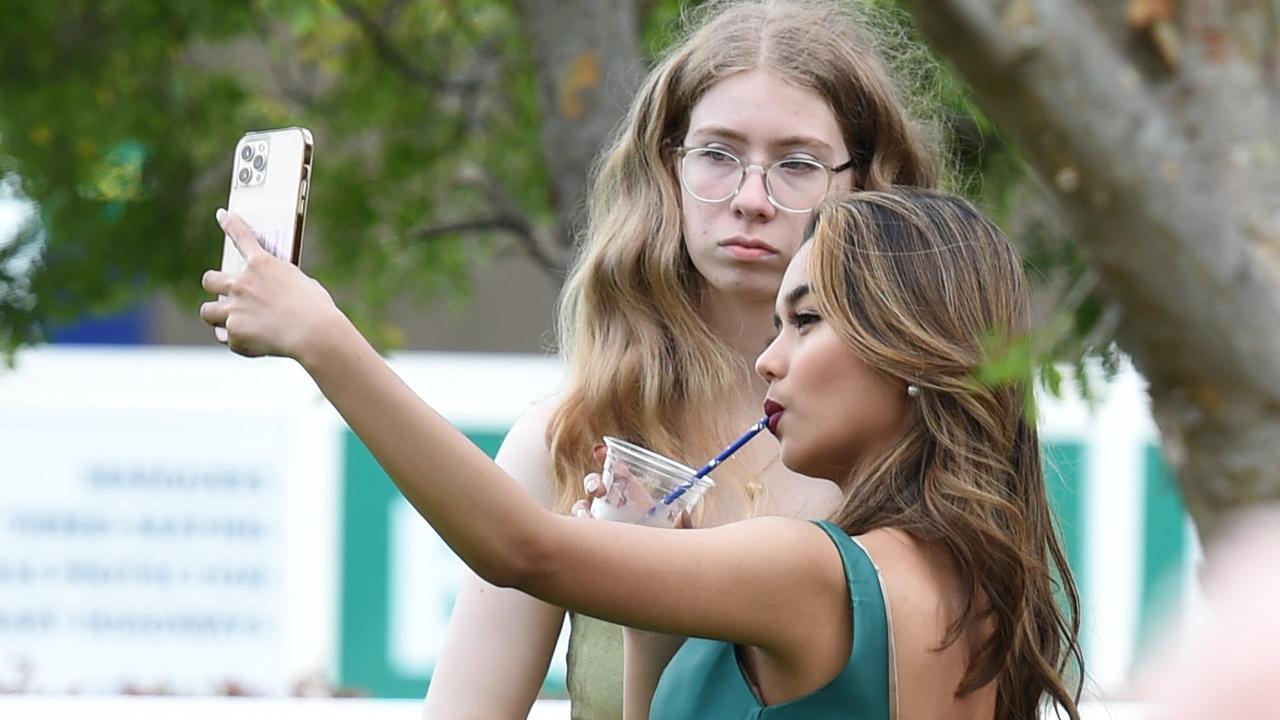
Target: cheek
691, 216
865, 408
878, 408
698, 230
792, 226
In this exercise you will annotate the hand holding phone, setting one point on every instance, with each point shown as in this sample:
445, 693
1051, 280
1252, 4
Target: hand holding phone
270, 307
270, 182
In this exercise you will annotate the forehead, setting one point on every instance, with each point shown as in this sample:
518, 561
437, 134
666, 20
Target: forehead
763, 107
797, 273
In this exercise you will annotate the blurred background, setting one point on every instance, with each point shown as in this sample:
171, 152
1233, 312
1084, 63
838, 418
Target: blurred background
178, 521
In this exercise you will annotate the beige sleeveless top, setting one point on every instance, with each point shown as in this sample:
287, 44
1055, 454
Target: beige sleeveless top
594, 669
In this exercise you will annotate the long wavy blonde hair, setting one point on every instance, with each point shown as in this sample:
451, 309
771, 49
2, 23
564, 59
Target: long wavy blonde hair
918, 283
643, 364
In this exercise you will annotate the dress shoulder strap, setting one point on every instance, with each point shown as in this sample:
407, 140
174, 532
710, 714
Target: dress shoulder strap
868, 673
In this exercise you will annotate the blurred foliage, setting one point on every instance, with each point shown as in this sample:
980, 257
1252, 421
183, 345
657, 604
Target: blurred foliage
117, 120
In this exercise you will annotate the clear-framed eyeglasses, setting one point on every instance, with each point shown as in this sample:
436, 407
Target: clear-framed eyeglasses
793, 184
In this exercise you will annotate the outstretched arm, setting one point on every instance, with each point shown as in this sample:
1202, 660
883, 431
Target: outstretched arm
759, 582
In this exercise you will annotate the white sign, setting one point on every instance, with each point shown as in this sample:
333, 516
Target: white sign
131, 537
165, 523
169, 518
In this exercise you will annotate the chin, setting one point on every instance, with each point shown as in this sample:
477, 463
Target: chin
800, 462
809, 462
763, 286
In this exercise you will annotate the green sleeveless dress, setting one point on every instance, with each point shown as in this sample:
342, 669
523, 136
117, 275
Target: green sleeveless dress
704, 679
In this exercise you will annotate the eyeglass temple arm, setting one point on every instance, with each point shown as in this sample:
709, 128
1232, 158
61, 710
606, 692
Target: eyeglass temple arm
843, 166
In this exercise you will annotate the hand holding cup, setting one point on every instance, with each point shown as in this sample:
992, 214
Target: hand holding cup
634, 482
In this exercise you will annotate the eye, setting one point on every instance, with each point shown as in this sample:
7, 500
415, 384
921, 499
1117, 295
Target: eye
802, 319
798, 166
717, 155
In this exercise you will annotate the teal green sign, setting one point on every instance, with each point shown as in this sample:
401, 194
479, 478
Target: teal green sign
368, 497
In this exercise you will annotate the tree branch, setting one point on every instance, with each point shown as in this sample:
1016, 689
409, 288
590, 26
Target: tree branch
508, 217
1117, 158
471, 225
508, 208
387, 50
1169, 182
514, 226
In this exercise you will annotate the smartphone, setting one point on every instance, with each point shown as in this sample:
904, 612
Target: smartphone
270, 182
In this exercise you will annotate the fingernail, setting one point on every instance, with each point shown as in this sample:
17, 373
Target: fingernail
592, 484
221, 215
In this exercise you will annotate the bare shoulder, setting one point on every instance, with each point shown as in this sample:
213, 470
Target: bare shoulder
777, 541
800, 545
925, 597
919, 578
790, 553
792, 533
524, 454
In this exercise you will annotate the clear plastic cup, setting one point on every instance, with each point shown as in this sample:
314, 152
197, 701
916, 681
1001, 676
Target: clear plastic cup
636, 480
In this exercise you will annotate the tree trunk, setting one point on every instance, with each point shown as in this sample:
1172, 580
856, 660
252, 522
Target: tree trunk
589, 65
1155, 124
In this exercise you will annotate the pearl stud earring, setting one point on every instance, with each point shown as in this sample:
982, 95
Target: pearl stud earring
913, 390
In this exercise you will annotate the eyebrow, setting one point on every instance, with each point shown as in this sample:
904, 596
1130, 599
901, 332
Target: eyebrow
788, 141
793, 296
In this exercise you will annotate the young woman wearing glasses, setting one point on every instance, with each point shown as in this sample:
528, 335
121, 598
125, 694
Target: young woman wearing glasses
737, 133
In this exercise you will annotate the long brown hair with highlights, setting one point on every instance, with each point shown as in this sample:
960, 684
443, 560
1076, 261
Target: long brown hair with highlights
643, 364
919, 283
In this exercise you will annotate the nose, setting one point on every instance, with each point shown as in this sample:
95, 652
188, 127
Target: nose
771, 364
752, 200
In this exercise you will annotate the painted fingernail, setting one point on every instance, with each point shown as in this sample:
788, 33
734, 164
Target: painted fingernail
221, 215
592, 484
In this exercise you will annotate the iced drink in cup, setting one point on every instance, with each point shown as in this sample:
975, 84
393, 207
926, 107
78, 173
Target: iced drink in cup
636, 479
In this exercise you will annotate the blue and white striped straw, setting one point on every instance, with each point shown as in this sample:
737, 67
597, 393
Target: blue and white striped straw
751, 432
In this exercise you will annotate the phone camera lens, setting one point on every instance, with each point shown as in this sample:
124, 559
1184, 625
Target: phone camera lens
246, 152
259, 162
244, 175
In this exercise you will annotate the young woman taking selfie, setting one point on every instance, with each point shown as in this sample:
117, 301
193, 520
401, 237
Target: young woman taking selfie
931, 590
